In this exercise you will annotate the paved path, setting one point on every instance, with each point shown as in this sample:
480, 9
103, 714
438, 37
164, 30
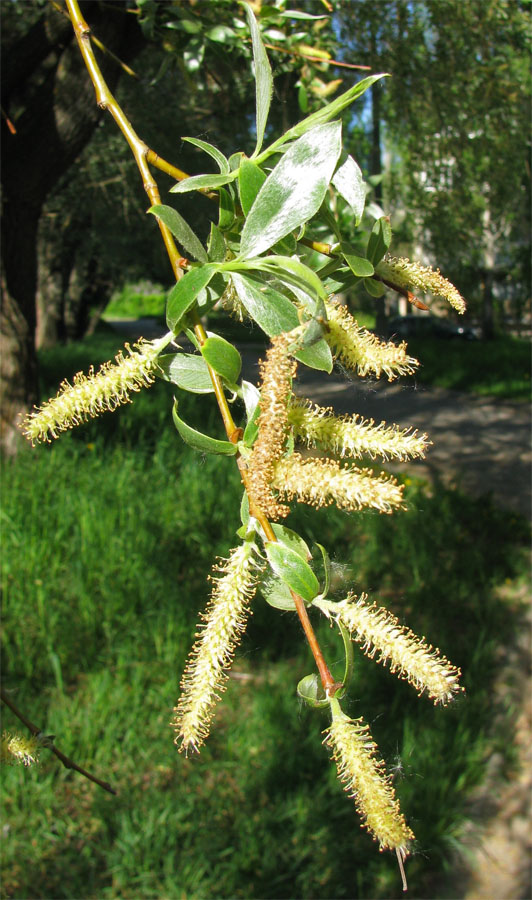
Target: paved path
480, 444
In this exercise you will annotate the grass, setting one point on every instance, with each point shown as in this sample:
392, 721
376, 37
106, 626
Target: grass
108, 537
499, 368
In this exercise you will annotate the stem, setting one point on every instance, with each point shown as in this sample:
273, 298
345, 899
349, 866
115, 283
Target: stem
106, 100
37, 732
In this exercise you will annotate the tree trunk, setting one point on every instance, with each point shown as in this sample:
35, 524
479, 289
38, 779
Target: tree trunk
44, 76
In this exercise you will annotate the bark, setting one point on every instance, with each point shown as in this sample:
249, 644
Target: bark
46, 79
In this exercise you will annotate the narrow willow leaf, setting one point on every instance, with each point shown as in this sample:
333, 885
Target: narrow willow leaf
325, 114
251, 397
222, 357
202, 183
189, 372
226, 212
294, 190
349, 182
199, 441
293, 570
379, 240
250, 180
263, 78
244, 510
326, 569
252, 428
216, 245
293, 272
311, 691
181, 230
183, 295
221, 160
292, 540
271, 311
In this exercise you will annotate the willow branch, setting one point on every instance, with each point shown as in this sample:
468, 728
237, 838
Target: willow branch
143, 154
37, 732
106, 100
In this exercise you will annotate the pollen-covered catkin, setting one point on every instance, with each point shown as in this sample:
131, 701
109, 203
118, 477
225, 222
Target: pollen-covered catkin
277, 372
91, 395
379, 631
353, 436
360, 350
224, 622
365, 779
407, 274
15, 749
322, 482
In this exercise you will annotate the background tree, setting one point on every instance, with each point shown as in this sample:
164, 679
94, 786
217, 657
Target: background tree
454, 118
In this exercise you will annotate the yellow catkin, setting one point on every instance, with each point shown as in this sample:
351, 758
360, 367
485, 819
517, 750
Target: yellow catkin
364, 777
322, 482
380, 632
353, 436
277, 372
91, 395
360, 350
224, 622
407, 274
17, 750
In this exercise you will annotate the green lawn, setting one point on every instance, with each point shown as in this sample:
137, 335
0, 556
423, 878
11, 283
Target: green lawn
108, 536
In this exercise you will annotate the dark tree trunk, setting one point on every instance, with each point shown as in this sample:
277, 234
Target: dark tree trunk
43, 75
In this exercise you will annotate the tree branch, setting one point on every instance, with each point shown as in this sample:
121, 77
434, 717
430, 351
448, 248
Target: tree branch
37, 732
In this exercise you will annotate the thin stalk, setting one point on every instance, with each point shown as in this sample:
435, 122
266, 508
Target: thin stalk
106, 100
37, 732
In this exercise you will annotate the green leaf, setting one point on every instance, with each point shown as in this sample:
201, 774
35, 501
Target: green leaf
349, 182
226, 212
263, 78
252, 428
379, 240
199, 441
216, 245
374, 288
292, 540
294, 190
292, 271
189, 372
251, 397
295, 14
311, 691
318, 356
293, 570
326, 569
267, 307
184, 293
222, 161
250, 180
325, 114
222, 357
359, 265
349, 657
181, 230
220, 34
202, 183
277, 594
244, 509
